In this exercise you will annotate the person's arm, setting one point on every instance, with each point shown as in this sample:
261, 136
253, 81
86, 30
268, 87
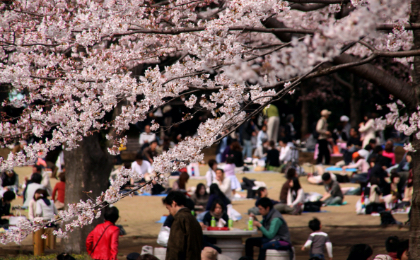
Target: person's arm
307, 244
54, 209
141, 139
328, 245
272, 231
299, 197
282, 154
289, 197
114, 243
31, 213
365, 127
225, 186
89, 243
17, 182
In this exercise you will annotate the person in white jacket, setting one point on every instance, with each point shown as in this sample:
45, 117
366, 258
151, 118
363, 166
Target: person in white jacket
224, 183
45, 208
295, 194
367, 130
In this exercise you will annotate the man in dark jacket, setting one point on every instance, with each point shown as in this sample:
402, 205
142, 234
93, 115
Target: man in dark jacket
186, 237
274, 229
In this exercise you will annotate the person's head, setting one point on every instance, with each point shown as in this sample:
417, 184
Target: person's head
36, 178
40, 194
153, 145
217, 207
183, 179
37, 169
392, 243
291, 173
344, 120
111, 214
389, 147
271, 144
127, 165
262, 192
65, 256
8, 196
353, 132
213, 164
236, 146
402, 252
215, 190
326, 178
264, 206
139, 158
283, 143
294, 184
147, 128
395, 177
315, 224
264, 128
290, 118
325, 113
174, 201
10, 174
62, 176
360, 252
147, 257
378, 149
372, 143
220, 174
200, 190
230, 159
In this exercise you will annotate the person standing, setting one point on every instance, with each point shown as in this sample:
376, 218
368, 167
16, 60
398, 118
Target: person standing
273, 122
322, 130
248, 130
211, 173
186, 237
367, 129
274, 229
102, 242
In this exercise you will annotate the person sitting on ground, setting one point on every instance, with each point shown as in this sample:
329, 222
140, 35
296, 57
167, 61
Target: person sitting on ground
272, 162
282, 206
295, 196
5, 205
186, 237
217, 194
140, 167
181, 183
200, 197
151, 152
224, 183
318, 241
333, 194
102, 241
218, 213
34, 185
262, 192
9, 180
285, 152
45, 208
391, 246
360, 252
389, 152
274, 229
360, 164
59, 190
211, 173
236, 153
402, 252
146, 137
230, 173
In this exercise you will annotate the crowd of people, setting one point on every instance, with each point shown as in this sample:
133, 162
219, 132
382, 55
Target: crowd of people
384, 186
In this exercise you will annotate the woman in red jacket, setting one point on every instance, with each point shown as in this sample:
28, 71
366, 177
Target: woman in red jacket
102, 242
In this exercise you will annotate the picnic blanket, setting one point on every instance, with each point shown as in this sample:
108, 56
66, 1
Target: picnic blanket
149, 194
322, 211
162, 219
337, 169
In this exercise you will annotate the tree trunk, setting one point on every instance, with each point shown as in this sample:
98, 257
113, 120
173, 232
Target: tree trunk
355, 106
87, 169
415, 207
304, 129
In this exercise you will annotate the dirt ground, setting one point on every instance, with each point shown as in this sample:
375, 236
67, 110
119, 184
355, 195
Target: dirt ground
139, 214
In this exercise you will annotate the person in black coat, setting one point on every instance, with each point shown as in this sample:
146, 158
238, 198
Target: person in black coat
217, 212
273, 156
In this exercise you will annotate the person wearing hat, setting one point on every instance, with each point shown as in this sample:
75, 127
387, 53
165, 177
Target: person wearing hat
322, 129
346, 125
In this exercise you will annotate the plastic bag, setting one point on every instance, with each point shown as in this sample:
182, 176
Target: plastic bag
233, 214
163, 236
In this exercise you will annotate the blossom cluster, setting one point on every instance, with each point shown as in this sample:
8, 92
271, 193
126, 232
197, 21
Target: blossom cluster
75, 59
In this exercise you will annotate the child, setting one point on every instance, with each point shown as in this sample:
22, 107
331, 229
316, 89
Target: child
317, 241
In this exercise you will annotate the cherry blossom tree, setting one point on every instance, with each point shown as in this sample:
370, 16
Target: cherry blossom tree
75, 59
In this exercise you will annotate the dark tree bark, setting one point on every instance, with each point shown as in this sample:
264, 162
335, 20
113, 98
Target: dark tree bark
355, 100
304, 129
415, 207
87, 169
